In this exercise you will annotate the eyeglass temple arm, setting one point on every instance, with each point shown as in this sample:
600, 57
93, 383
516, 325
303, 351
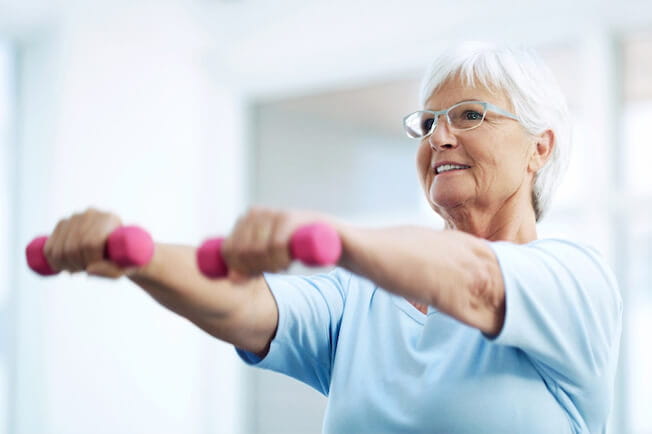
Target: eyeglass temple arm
500, 111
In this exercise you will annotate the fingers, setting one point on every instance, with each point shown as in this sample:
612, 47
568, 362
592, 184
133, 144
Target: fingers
72, 255
53, 248
94, 233
245, 249
259, 242
279, 244
104, 269
77, 243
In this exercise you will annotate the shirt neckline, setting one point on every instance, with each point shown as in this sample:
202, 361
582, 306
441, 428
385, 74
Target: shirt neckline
412, 311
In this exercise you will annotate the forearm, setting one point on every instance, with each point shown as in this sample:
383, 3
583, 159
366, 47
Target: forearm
173, 280
452, 271
232, 312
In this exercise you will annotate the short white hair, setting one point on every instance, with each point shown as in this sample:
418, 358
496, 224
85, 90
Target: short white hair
532, 90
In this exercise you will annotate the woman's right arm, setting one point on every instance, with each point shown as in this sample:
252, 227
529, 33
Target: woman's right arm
242, 311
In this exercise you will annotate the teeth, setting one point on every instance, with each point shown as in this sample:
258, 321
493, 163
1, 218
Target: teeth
447, 167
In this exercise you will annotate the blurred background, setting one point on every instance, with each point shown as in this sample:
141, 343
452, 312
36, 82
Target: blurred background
178, 115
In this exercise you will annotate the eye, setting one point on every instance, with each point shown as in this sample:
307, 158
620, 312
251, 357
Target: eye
472, 115
427, 124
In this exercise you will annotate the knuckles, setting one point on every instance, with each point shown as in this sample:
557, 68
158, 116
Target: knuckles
83, 238
279, 244
269, 253
89, 247
258, 213
70, 252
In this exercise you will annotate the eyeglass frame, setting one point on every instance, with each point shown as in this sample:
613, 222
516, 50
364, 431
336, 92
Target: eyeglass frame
487, 106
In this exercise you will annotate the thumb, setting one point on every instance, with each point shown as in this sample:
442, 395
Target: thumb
104, 269
237, 277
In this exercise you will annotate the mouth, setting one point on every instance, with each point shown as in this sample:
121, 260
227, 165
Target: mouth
449, 167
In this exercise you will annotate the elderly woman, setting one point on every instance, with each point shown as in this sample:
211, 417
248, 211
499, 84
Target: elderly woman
479, 328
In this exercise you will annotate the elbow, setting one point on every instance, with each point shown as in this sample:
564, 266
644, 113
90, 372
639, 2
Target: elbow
485, 304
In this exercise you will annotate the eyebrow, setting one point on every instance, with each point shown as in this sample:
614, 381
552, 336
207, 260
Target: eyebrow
463, 100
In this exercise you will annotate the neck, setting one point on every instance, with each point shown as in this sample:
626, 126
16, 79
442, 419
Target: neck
513, 221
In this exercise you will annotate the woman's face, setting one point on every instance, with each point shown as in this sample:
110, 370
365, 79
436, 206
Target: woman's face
498, 154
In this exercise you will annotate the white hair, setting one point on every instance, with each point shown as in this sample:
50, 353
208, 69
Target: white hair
531, 89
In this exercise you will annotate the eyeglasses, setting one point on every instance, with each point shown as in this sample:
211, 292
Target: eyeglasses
462, 116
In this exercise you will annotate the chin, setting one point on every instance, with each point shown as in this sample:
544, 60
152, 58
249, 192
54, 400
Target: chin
446, 198
446, 203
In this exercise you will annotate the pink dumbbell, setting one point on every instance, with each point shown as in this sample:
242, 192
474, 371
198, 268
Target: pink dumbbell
315, 244
127, 246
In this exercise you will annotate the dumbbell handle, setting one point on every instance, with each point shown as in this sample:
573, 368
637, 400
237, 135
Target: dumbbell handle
316, 244
127, 246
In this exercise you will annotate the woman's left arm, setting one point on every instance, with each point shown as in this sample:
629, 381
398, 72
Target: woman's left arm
454, 272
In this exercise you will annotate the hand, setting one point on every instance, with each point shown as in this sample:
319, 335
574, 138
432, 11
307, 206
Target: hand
78, 244
260, 241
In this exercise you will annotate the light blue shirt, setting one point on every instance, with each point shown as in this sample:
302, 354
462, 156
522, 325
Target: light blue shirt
387, 367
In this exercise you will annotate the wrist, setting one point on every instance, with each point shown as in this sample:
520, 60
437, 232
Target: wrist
147, 271
349, 235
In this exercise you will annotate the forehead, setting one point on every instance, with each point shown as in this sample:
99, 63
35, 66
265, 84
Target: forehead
455, 90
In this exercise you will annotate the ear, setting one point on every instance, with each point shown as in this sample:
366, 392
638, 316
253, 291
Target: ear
544, 145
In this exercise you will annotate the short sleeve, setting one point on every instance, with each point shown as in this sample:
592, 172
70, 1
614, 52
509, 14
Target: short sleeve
563, 309
310, 312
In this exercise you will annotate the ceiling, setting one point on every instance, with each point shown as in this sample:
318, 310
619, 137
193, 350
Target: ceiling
286, 49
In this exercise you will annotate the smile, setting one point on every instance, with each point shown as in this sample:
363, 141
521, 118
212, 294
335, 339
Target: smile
449, 167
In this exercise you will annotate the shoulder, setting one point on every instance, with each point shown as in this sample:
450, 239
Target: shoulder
561, 260
569, 249
549, 250
577, 258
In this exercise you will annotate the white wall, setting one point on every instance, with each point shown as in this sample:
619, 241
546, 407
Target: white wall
306, 161
6, 172
117, 111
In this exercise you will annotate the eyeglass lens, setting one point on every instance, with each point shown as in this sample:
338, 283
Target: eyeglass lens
461, 117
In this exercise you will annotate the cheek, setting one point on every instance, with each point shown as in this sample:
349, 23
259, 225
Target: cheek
505, 169
423, 161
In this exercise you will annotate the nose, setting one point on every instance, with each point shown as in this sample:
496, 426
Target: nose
442, 138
